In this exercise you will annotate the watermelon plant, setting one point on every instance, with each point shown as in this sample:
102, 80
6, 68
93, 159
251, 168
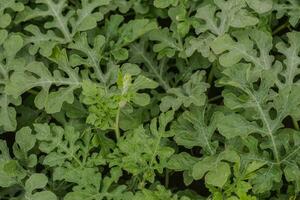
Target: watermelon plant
149, 99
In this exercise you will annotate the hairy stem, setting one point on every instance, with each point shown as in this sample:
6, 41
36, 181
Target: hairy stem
167, 177
295, 123
215, 98
211, 74
280, 28
117, 130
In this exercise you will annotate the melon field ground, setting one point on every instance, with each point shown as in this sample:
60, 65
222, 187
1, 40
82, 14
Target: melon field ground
149, 99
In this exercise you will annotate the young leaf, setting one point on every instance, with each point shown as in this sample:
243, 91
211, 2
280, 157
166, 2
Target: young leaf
147, 145
105, 105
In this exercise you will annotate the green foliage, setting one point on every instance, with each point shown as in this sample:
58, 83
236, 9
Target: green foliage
149, 99
150, 146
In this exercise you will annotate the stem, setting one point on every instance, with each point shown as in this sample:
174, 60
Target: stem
117, 130
142, 184
295, 123
280, 28
211, 74
133, 183
215, 98
31, 91
167, 178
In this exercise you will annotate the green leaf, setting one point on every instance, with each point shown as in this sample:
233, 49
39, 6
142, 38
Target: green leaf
159, 193
255, 99
112, 99
133, 30
85, 18
234, 125
5, 17
219, 175
38, 181
54, 10
147, 145
192, 130
8, 113
94, 54
36, 74
191, 93
140, 55
131, 69
215, 169
292, 59
232, 51
102, 188
120, 54
164, 4
288, 8
11, 46
105, 105
231, 13
167, 45
292, 174
265, 179
260, 6
200, 44
24, 142
69, 154
10, 170
40, 42
182, 162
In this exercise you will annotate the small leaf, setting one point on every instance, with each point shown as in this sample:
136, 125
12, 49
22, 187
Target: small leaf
36, 181
260, 6
219, 176
120, 54
182, 162
164, 3
215, 169
234, 125
25, 139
